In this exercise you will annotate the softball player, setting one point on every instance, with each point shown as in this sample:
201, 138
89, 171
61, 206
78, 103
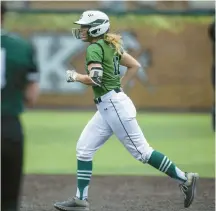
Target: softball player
19, 86
115, 110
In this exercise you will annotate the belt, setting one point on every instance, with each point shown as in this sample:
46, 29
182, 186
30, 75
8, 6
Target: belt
98, 100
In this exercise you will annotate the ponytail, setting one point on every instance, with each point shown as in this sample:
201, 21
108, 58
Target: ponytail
116, 41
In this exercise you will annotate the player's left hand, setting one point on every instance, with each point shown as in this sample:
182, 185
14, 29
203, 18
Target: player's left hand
71, 75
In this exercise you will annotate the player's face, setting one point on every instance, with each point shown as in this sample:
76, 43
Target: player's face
84, 33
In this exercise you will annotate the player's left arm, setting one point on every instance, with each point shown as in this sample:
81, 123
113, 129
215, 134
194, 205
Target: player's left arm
132, 67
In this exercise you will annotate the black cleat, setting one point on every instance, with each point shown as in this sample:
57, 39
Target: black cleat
189, 188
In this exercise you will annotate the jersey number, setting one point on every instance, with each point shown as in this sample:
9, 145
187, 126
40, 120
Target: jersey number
3, 64
116, 65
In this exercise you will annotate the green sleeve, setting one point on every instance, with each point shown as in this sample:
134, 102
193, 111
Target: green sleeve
94, 54
33, 73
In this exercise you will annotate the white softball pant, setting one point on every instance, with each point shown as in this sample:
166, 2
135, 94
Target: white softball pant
116, 114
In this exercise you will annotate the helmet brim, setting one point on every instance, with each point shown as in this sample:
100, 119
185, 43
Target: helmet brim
80, 22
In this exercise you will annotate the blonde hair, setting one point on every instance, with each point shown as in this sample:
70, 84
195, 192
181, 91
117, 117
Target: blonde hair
115, 40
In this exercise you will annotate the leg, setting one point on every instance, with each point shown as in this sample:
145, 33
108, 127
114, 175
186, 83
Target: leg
11, 173
94, 135
11, 163
121, 116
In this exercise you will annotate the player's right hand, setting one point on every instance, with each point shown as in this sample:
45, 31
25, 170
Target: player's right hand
71, 75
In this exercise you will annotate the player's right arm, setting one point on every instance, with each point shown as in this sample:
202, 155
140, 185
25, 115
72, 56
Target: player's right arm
132, 67
95, 75
94, 58
32, 77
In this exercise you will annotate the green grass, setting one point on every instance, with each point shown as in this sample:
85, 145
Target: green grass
51, 138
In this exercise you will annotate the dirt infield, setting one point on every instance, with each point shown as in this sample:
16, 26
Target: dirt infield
115, 193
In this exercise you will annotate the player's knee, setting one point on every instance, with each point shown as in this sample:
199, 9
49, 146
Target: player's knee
83, 154
144, 154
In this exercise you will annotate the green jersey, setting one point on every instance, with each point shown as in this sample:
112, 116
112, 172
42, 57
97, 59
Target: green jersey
17, 70
104, 54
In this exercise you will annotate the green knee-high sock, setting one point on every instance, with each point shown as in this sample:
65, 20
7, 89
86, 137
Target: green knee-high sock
163, 164
84, 173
